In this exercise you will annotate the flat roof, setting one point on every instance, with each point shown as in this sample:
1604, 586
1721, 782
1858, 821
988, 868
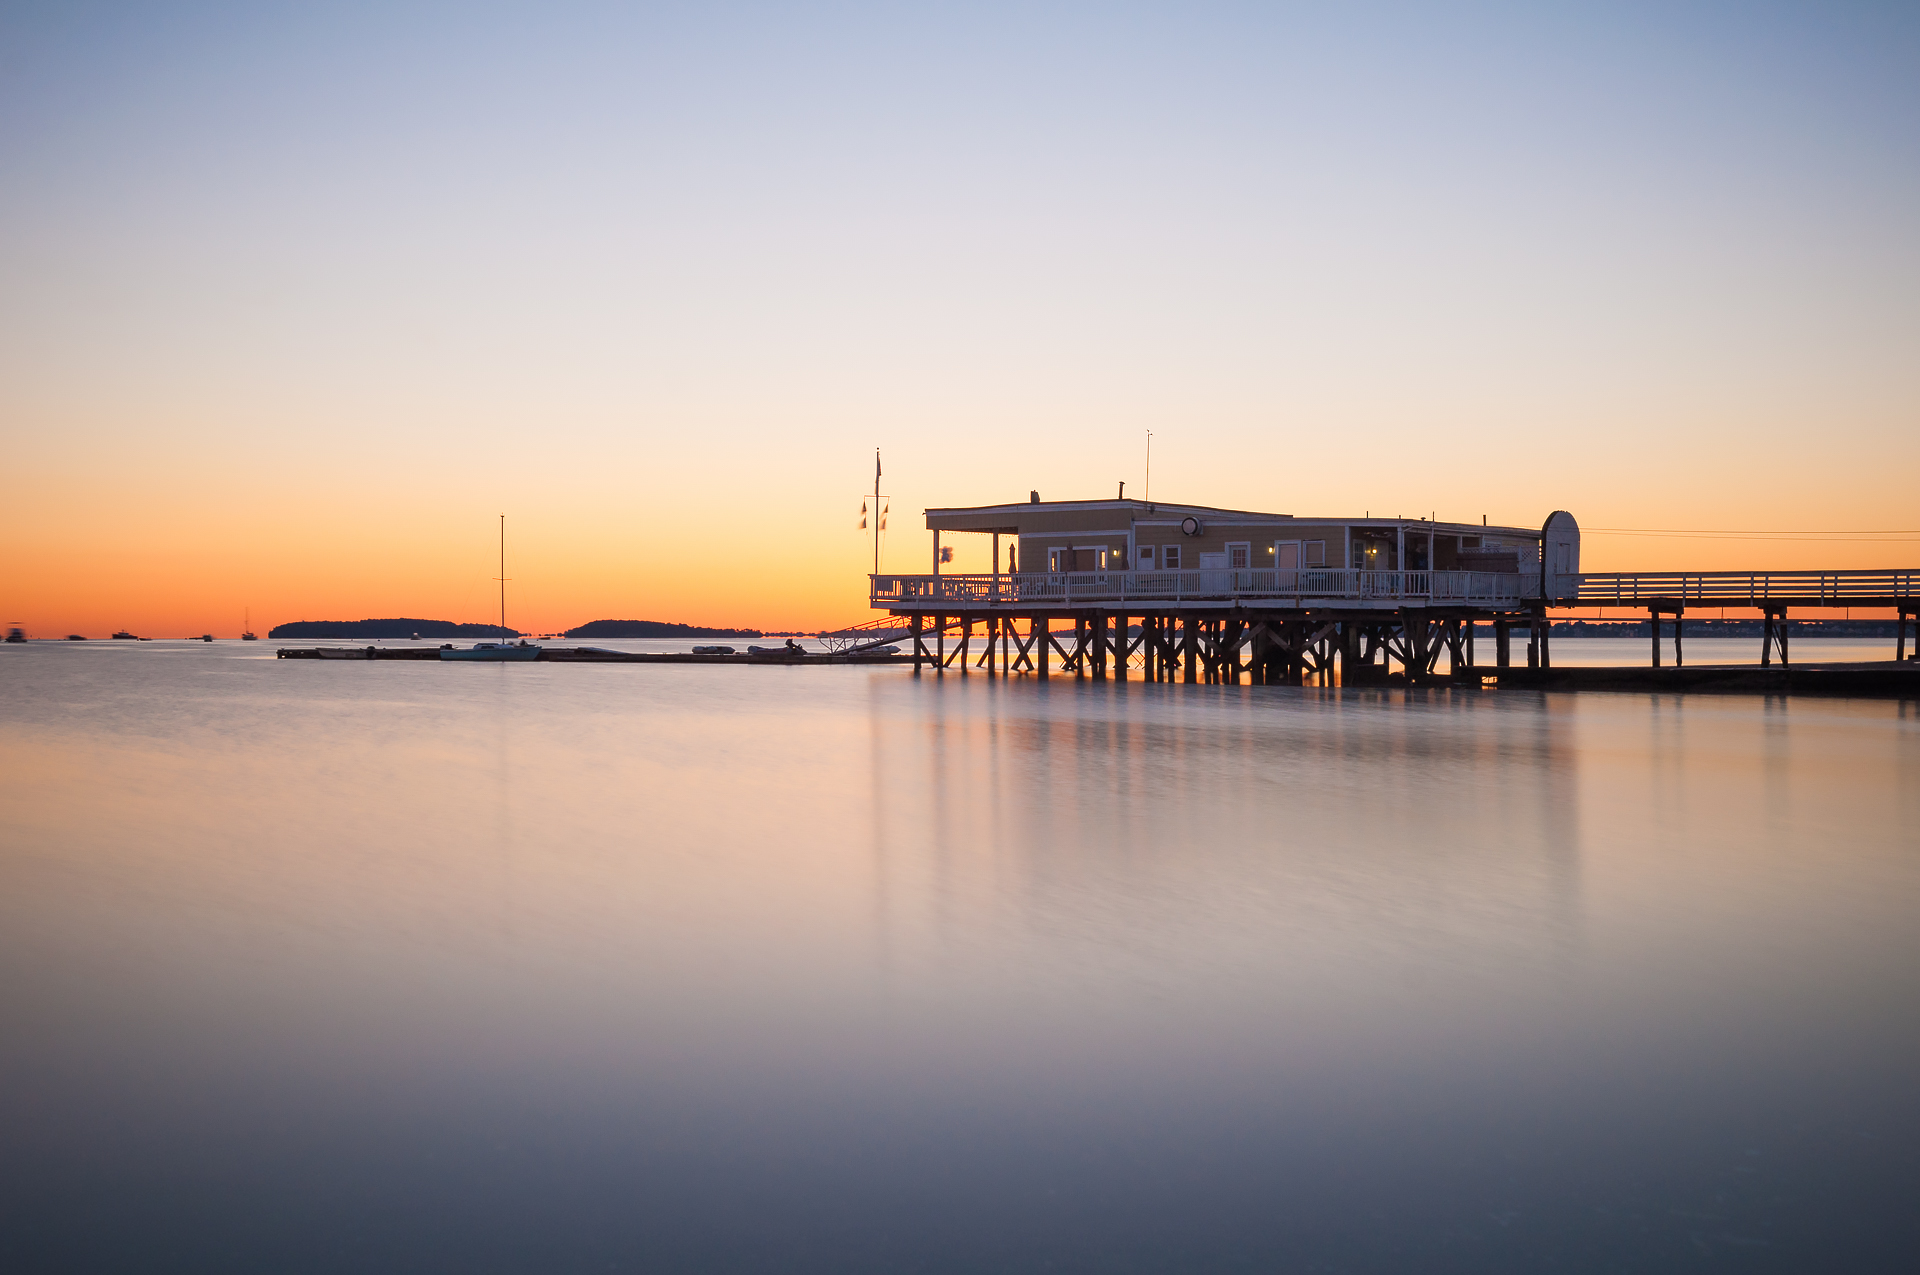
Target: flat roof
1005, 519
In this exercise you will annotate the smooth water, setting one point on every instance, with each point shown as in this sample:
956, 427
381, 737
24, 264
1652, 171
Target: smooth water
317, 966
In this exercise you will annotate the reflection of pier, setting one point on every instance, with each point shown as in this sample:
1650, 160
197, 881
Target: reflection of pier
1194, 594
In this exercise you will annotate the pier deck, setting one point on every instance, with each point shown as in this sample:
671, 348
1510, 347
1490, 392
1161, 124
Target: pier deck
1292, 625
1346, 589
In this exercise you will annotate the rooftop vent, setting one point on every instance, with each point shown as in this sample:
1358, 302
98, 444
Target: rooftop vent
1033, 497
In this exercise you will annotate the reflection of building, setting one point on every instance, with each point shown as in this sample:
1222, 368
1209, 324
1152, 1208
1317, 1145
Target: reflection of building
1223, 592
1289, 853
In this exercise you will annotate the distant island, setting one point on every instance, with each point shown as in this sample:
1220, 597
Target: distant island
401, 628
654, 629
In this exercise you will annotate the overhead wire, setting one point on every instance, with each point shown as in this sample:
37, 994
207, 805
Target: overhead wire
1883, 537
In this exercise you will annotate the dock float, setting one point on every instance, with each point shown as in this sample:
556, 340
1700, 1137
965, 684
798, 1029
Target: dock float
1879, 680
589, 655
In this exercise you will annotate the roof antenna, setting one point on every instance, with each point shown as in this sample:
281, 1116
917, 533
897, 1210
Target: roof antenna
1123, 492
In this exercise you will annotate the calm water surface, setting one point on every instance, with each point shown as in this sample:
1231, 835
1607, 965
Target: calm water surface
345, 966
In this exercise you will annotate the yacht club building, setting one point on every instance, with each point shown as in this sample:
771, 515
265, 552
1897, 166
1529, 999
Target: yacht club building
1055, 537
1195, 592
1226, 591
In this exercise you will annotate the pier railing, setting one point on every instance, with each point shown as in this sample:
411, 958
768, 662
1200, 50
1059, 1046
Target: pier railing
1305, 587
1747, 588
1318, 586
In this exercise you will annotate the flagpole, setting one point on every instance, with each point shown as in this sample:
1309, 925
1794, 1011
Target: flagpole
876, 511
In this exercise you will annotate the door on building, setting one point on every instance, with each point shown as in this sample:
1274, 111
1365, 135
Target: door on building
1286, 555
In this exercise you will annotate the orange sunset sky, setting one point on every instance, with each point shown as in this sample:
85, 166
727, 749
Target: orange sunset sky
296, 305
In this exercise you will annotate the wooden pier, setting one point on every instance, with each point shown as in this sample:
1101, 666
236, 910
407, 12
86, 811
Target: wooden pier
1292, 627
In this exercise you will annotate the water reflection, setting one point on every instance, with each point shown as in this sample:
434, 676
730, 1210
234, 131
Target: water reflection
335, 966
1185, 804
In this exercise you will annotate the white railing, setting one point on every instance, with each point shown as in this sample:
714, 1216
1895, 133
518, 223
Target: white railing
1307, 586
1748, 587
1312, 586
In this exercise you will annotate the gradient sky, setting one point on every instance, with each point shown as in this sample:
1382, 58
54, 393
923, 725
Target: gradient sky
295, 300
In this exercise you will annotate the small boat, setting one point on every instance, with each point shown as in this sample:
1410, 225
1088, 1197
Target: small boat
76, 637
493, 651
497, 651
246, 630
791, 651
16, 634
713, 650
204, 637
125, 636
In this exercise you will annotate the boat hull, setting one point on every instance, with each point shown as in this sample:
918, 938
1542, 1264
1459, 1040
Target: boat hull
495, 654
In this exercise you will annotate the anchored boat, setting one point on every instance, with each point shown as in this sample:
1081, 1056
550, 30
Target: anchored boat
493, 651
497, 651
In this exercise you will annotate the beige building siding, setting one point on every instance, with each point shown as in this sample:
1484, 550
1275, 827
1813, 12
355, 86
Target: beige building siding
1118, 531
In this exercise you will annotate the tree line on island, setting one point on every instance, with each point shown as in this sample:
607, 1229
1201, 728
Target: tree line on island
404, 627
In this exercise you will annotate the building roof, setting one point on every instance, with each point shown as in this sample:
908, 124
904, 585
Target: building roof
1026, 517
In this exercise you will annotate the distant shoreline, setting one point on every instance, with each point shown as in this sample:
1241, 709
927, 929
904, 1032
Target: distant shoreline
402, 627
410, 627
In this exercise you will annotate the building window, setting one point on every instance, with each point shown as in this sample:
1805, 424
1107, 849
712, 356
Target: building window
1239, 557
1170, 557
1146, 558
1316, 553
1092, 558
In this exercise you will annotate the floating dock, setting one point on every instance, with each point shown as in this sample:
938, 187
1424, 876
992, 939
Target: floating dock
1878, 680
592, 655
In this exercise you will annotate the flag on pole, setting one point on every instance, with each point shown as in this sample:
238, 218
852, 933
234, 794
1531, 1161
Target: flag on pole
876, 464
883, 514
863, 515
